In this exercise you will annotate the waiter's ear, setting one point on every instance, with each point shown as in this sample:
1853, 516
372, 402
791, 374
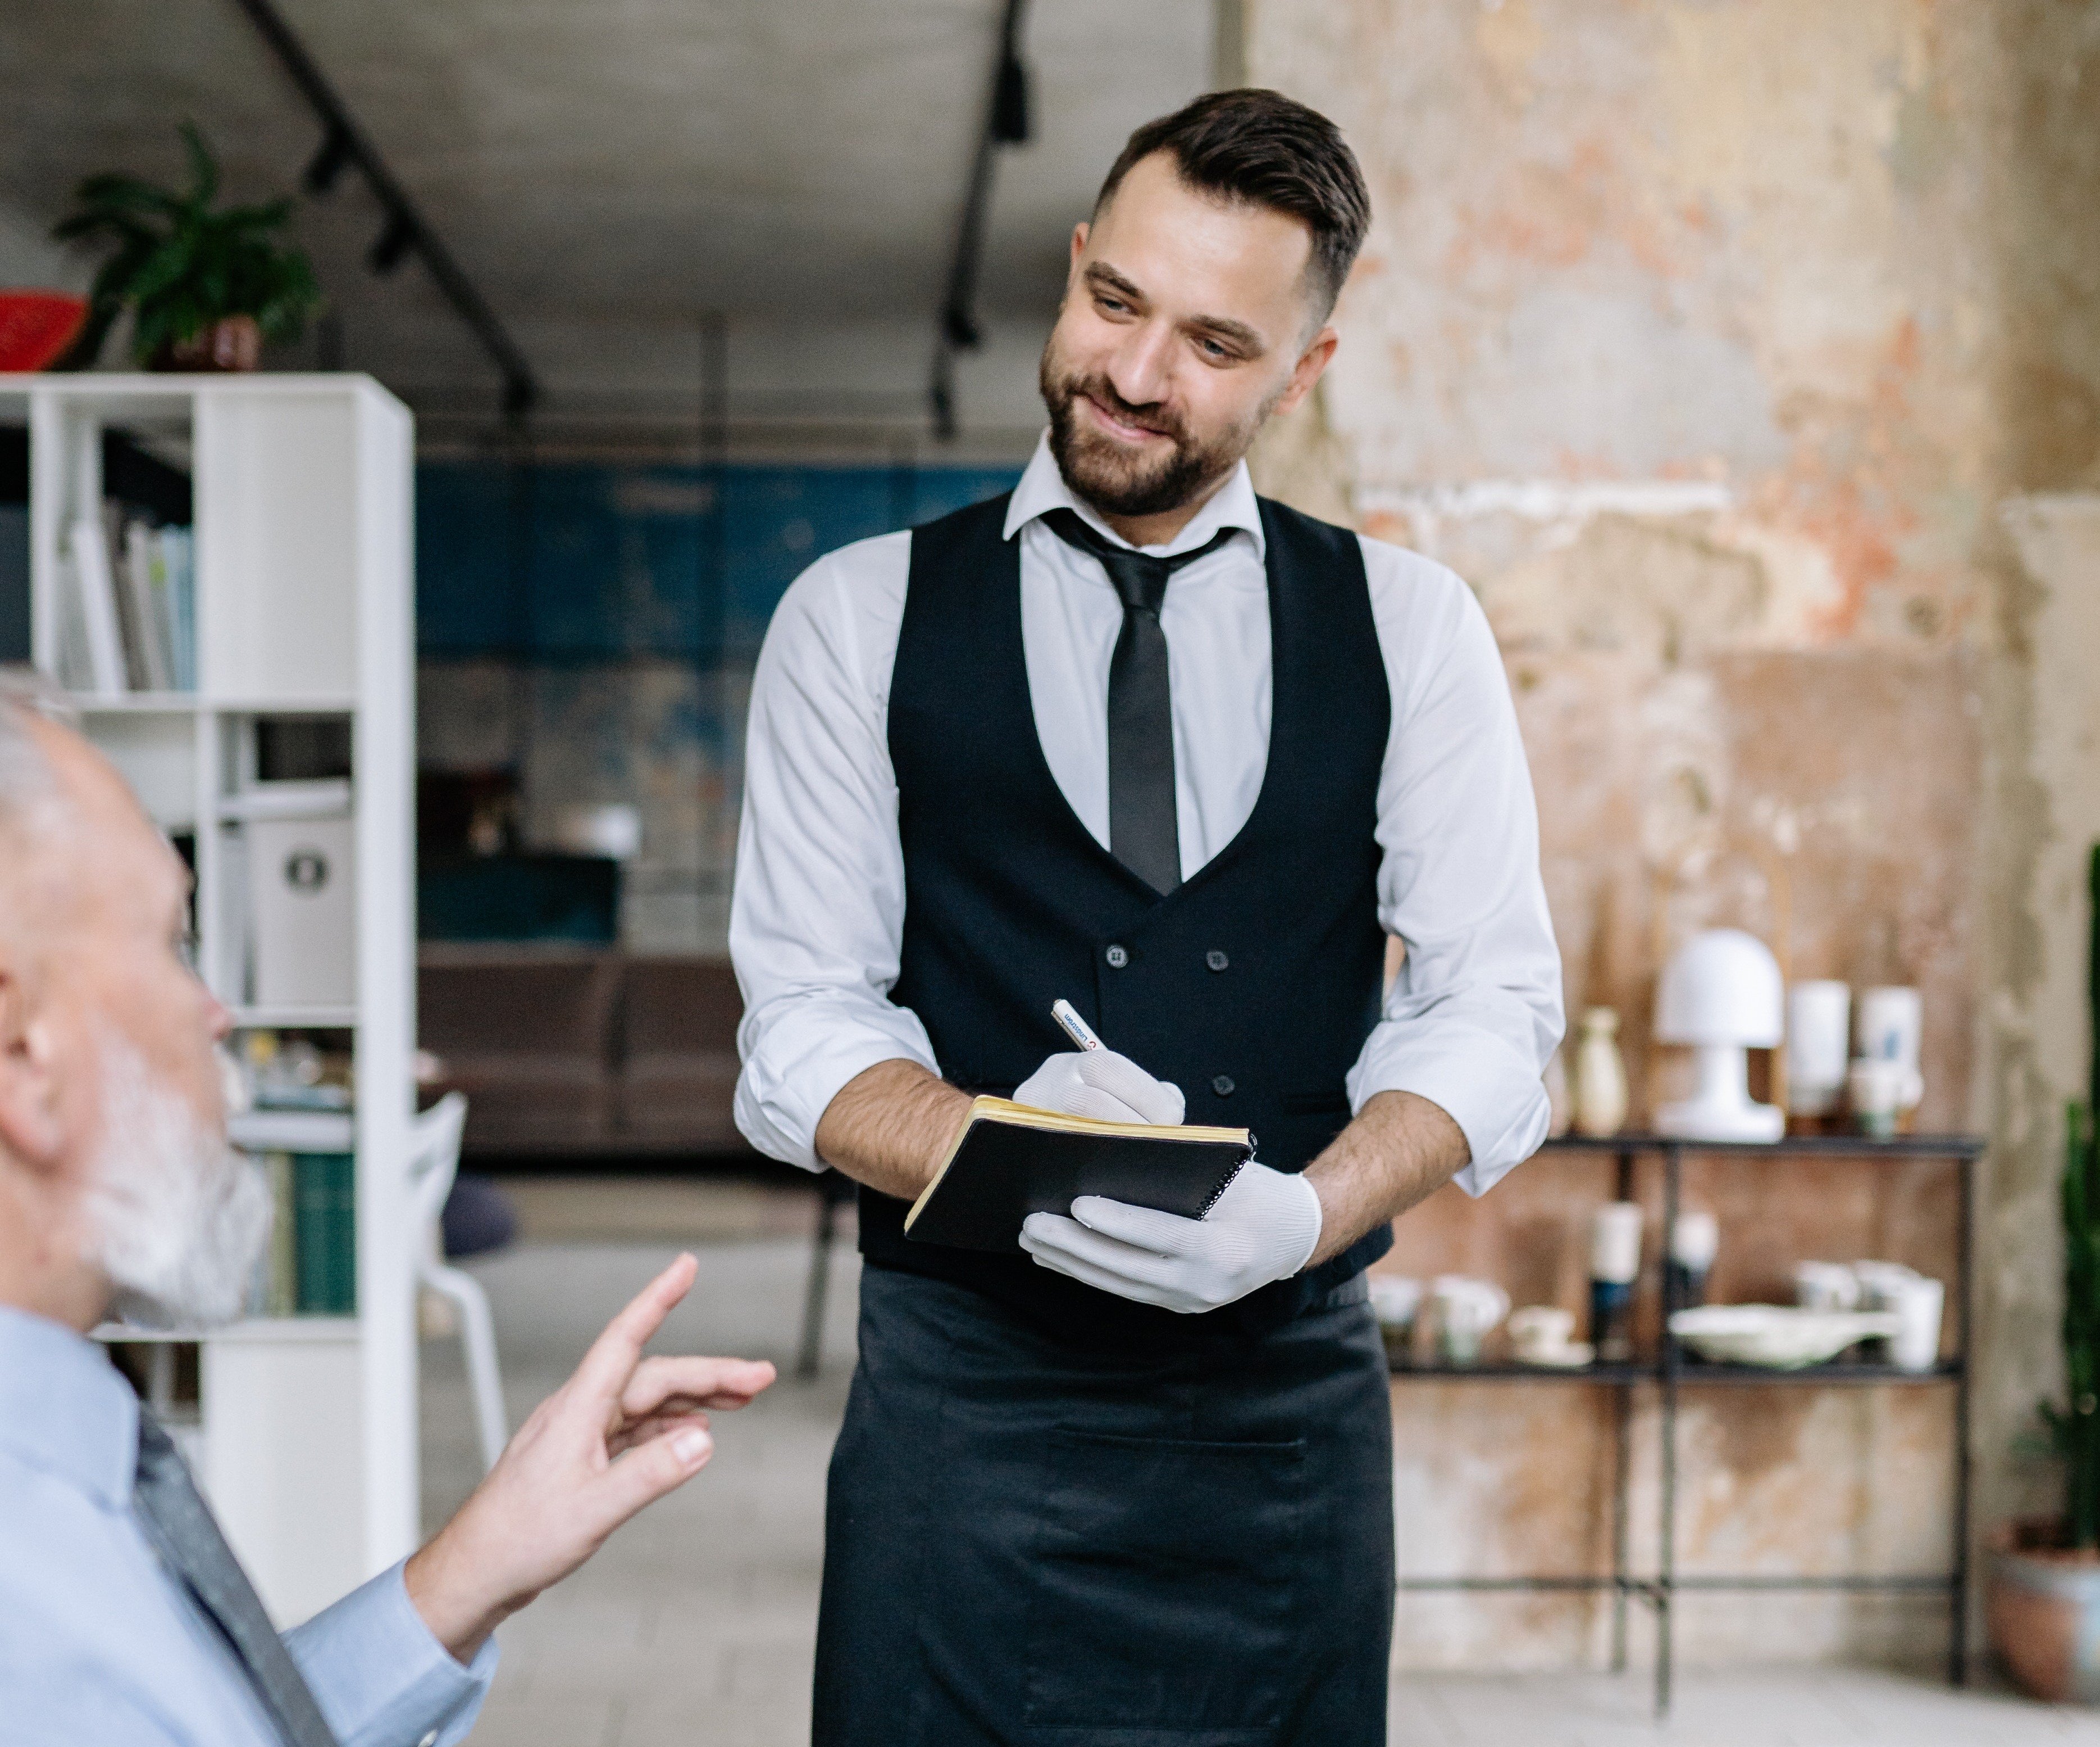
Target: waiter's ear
1311, 363
1080, 233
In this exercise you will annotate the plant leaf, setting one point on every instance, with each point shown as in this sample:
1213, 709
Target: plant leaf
204, 168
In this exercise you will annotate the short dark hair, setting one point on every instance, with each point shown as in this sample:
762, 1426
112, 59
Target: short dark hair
1265, 149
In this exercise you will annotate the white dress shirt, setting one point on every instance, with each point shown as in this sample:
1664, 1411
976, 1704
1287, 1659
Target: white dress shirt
99, 1647
817, 920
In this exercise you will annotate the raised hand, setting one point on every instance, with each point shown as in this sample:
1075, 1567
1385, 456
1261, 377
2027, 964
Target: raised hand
620, 1433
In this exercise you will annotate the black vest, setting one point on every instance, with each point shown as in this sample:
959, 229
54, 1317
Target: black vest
1252, 987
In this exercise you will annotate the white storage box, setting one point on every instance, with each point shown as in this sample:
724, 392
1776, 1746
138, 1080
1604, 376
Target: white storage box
303, 876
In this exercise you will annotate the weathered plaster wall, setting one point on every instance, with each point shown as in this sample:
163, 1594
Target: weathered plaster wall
1713, 341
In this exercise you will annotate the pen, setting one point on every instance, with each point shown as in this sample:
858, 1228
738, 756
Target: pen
1075, 1028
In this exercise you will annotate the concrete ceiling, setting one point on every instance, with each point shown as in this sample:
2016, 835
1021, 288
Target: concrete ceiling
608, 170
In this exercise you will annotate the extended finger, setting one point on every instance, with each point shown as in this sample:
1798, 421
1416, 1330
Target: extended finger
613, 1355
639, 1476
705, 1382
1153, 1100
1104, 1279
629, 1433
1048, 1233
1147, 1228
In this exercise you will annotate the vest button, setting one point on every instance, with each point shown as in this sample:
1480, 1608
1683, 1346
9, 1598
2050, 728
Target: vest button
1215, 959
1117, 957
1223, 1085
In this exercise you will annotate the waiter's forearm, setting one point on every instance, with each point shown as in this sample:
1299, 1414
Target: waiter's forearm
891, 1126
1401, 1149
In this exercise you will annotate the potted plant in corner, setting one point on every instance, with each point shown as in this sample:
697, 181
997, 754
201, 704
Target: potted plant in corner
205, 287
2042, 1596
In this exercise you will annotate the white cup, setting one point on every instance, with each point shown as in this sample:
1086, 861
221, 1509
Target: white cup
1464, 1311
1825, 1286
1541, 1331
1891, 1029
1919, 1302
1695, 1240
1819, 1024
1615, 1243
1882, 1284
1875, 1088
1395, 1298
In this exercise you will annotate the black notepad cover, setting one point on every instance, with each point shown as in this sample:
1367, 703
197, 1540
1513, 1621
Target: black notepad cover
1003, 1171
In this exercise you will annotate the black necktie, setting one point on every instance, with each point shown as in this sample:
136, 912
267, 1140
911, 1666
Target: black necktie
1143, 832
180, 1526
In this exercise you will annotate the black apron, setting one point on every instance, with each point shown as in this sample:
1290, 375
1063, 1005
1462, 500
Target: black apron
1031, 1542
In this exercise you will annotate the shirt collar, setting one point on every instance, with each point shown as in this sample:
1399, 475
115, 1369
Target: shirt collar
65, 1408
1043, 488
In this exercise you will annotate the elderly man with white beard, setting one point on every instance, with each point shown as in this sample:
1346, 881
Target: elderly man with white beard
123, 1617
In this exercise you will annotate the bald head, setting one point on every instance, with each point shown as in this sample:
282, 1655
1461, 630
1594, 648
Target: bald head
100, 1015
28, 704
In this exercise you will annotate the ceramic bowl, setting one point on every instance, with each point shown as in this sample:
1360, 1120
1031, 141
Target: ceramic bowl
1778, 1337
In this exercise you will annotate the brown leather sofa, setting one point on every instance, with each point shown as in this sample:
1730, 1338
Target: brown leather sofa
569, 1051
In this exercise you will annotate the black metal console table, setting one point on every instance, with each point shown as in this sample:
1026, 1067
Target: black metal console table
1668, 1371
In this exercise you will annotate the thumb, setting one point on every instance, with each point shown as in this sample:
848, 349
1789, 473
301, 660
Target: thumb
639, 1476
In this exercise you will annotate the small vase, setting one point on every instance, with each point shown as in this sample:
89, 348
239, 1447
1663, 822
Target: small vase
231, 343
2042, 1607
1600, 1075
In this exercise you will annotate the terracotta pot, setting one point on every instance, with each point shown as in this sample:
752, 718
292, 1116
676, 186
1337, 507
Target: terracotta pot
2042, 1607
232, 342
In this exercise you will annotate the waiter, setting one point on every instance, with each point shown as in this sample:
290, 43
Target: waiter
1132, 736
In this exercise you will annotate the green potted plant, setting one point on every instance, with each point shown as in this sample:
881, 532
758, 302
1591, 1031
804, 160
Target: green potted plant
206, 286
2042, 1596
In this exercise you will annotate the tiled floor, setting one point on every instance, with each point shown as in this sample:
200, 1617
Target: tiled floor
694, 1624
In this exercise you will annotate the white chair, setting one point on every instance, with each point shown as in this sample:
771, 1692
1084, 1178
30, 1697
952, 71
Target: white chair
432, 1166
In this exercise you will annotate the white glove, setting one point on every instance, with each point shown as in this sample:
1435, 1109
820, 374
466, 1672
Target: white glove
1100, 1083
1264, 1227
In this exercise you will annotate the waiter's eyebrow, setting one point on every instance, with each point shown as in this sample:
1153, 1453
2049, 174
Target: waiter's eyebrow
1099, 275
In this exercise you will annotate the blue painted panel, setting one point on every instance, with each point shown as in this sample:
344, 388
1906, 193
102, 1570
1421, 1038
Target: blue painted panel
578, 562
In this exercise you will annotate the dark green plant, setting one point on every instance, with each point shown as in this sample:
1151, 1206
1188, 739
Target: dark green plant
2075, 1427
180, 266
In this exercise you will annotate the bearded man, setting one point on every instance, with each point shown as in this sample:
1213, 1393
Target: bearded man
1132, 736
124, 1619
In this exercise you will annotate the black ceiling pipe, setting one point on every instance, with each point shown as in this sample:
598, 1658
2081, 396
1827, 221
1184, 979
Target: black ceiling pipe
346, 143
1006, 122
327, 164
390, 246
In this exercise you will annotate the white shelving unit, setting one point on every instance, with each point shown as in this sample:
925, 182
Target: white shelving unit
302, 490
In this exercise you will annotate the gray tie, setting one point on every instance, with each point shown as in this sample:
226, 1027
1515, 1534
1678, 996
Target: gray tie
1144, 832
179, 1524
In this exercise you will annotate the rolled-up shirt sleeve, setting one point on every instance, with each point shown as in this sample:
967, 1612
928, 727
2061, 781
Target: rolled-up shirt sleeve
381, 1679
1475, 1013
817, 917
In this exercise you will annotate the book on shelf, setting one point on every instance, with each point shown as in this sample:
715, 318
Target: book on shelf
93, 593
280, 1283
151, 638
128, 608
325, 1232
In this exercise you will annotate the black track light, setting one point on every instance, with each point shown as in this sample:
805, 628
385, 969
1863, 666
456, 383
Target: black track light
328, 161
392, 245
1009, 103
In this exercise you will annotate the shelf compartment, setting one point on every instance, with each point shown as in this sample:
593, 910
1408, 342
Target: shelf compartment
1720, 1376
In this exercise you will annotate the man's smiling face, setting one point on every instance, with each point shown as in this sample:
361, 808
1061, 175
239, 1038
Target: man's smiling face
1186, 322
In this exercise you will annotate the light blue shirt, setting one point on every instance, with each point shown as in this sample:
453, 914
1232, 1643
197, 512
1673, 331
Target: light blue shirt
100, 1648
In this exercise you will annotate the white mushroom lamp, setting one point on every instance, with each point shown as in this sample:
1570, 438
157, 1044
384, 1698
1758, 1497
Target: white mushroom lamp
1721, 995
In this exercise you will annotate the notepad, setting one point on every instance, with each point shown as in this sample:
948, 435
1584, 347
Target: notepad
1011, 1160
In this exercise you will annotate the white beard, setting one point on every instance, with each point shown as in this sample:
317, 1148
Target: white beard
177, 1219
